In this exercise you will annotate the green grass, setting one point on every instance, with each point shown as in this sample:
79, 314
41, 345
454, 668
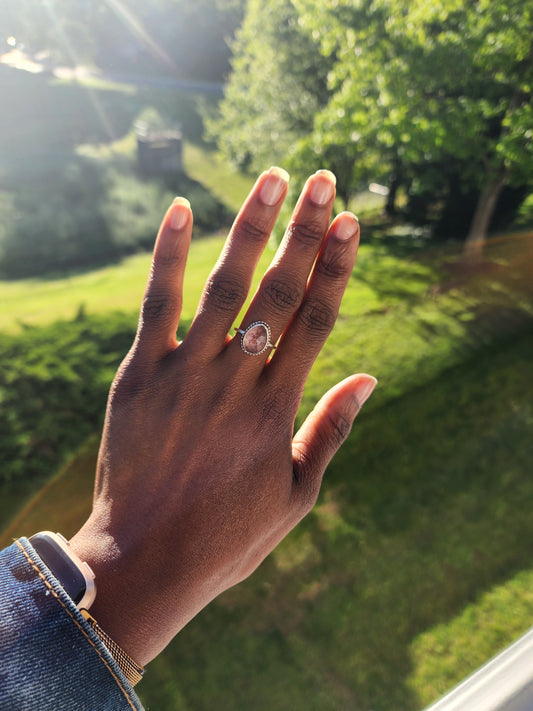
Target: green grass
393, 588
469, 639
414, 567
207, 168
120, 286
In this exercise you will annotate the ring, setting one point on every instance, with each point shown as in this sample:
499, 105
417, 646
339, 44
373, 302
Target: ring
256, 338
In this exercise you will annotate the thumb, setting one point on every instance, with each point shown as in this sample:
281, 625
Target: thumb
325, 429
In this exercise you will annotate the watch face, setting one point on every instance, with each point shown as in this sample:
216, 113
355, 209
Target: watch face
64, 569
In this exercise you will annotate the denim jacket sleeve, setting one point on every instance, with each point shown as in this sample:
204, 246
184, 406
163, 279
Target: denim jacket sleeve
50, 657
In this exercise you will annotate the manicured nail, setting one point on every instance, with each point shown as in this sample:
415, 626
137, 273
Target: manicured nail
346, 225
179, 213
322, 187
364, 388
273, 186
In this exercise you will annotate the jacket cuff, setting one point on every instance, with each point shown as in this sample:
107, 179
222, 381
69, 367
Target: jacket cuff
50, 656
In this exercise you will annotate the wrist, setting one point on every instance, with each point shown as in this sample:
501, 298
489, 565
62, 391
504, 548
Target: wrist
122, 605
78, 581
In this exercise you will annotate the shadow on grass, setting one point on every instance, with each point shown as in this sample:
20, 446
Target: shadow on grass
427, 505
400, 266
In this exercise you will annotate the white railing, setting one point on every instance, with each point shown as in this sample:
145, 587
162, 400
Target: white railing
503, 684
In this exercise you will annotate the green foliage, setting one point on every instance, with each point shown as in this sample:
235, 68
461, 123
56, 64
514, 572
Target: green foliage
71, 196
277, 85
98, 211
53, 388
438, 97
63, 228
434, 99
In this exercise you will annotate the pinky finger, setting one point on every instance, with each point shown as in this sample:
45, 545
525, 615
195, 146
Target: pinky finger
163, 296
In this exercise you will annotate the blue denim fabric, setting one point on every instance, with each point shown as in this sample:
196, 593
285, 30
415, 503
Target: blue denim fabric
50, 657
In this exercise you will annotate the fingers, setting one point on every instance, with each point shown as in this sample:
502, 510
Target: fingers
323, 432
228, 285
312, 323
283, 287
161, 307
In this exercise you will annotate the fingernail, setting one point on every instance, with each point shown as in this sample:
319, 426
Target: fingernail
364, 388
322, 187
273, 186
346, 225
179, 213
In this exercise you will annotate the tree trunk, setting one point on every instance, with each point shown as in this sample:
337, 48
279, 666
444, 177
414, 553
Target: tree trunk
486, 204
394, 184
390, 206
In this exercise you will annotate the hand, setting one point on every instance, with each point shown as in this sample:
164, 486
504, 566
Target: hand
199, 476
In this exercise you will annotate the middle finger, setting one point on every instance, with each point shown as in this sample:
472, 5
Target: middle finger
283, 286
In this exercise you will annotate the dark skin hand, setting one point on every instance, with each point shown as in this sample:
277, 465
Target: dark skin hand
199, 474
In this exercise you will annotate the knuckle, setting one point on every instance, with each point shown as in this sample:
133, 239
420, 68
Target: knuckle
307, 497
130, 384
251, 230
273, 409
308, 233
333, 264
340, 428
306, 488
168, 260
159, 306
317, 317
281, 295
225, 293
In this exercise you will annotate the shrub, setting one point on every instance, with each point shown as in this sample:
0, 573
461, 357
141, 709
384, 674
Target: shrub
53, 387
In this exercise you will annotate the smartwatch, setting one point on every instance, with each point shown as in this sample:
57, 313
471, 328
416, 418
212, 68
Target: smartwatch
77, 579
74, 574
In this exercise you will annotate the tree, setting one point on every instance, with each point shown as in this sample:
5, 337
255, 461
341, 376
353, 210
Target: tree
277, 85
432, 97
431, 89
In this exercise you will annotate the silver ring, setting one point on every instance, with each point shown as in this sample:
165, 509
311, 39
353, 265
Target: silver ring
255, 339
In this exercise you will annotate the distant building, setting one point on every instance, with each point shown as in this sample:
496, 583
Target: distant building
159, 152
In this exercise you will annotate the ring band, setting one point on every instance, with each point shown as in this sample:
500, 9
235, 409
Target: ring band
255, 339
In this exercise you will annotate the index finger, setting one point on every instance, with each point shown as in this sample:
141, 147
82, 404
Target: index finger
161, 306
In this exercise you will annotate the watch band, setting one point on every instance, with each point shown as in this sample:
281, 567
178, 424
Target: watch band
131, 670
77, 579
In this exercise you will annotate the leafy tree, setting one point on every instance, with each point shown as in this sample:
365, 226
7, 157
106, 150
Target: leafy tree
435, 98
53, 386
278, 83
432, 94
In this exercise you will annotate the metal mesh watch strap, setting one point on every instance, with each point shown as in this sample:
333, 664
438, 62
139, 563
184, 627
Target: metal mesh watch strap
132, 671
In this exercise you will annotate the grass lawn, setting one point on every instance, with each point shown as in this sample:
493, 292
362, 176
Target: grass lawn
415, 566
119, 286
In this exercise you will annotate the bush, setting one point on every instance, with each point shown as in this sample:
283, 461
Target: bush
53, 388
91, 213
57, 222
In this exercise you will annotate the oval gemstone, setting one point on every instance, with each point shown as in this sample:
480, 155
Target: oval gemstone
255, 339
